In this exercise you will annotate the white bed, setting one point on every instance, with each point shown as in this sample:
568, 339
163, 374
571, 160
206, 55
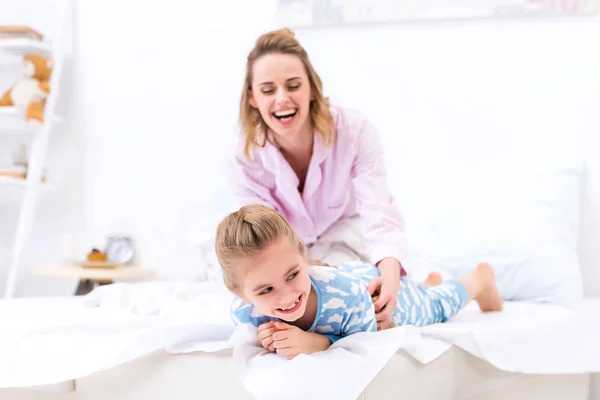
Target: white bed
455, 375
113, 345
181, 371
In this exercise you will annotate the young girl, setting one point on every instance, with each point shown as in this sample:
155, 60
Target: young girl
300, 308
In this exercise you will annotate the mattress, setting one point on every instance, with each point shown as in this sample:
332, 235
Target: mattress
454, 375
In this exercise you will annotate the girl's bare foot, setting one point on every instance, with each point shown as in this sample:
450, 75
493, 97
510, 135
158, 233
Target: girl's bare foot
433, 279
489, 298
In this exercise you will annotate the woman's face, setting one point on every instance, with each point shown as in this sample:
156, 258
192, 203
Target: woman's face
281, 92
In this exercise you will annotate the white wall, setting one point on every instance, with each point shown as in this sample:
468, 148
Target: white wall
500, 87
157, 94
160, 94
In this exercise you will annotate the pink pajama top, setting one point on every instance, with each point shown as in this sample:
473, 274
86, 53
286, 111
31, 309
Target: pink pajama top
343, 180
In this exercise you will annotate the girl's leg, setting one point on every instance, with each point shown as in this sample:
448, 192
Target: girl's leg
421, 305
433, 279
481, 287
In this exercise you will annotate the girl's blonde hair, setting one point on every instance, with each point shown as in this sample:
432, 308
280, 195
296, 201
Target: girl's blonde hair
245, 233
254, 128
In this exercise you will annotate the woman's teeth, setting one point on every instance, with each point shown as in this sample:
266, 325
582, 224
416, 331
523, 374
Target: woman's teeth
285, 114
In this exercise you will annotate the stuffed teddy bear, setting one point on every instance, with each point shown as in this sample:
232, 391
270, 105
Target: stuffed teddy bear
29, 93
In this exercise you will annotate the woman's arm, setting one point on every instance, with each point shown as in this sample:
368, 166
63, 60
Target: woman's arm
382, 221
249, 182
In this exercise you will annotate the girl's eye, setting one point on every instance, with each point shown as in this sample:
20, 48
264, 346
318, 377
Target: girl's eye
268, 91
294, 87
292, 276
267, 290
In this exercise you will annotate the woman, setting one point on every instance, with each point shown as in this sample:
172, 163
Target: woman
319, 165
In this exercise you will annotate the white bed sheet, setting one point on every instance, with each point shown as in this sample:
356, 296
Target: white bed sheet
51, 340
126, 321
54, 340
529, 338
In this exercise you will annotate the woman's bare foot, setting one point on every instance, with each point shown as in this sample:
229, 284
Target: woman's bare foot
489, 298
433, 279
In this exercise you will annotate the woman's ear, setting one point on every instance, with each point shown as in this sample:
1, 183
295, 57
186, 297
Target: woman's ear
251, 99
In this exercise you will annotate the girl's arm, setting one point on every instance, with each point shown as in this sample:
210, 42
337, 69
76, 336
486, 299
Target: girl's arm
290, 341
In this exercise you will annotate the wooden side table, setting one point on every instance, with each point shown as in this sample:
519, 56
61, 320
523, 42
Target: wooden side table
89, 278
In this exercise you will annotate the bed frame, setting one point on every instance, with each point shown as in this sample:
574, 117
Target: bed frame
455, 375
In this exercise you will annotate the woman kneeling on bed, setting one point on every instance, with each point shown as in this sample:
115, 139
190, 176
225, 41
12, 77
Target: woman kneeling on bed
301, 308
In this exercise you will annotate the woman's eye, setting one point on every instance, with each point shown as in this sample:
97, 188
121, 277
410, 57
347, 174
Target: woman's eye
294, 87
292, 276
267, 290
267, 91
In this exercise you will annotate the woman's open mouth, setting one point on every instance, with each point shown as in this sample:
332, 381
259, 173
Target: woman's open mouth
286, 117
292, 307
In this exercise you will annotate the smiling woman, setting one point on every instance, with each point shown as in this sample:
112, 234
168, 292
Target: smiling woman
320, 165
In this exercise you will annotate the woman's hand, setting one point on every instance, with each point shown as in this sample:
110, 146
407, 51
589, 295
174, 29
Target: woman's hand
388, 286
289, 341
265, 335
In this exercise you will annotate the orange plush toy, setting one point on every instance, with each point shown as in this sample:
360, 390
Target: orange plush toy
30, 92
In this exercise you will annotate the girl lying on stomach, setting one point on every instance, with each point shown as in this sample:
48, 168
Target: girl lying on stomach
301, 308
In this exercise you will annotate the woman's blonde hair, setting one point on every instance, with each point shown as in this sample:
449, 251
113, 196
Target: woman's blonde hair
245, 233
253, 126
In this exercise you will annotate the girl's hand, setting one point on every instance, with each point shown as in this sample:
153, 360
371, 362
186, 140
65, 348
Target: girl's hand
265, 335
388, 287
289, 341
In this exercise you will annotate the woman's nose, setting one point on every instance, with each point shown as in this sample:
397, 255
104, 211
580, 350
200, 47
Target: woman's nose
282, 96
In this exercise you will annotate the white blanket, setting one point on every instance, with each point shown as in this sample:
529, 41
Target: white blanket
51, 340
45, 341
54, 340
528, 338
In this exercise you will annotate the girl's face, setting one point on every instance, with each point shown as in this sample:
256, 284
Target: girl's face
276, 281
281, 92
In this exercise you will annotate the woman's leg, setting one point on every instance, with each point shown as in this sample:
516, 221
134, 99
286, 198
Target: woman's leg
342, 242
332, 253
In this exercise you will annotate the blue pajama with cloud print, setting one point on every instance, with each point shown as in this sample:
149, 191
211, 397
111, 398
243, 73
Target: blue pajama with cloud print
345, 305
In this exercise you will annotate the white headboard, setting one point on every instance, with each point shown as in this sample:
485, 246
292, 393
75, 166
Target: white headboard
470, 90
589, 243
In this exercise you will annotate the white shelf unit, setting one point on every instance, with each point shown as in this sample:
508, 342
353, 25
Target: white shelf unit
13, 190
27, 192
13, 123
20, 46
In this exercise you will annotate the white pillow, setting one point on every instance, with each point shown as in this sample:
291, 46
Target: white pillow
523, 219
